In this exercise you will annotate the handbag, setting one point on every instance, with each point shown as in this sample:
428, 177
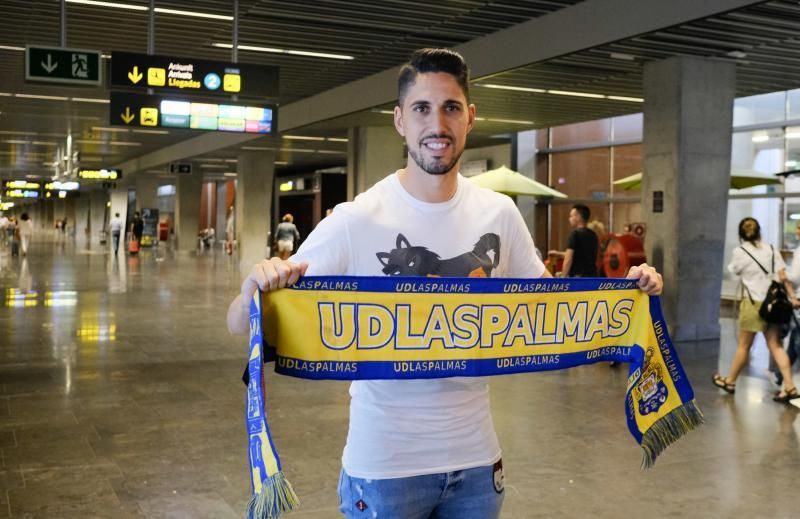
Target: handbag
776, 307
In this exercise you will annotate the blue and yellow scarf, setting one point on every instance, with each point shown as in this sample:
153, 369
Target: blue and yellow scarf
358, 328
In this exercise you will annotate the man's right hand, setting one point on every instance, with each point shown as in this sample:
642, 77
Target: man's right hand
271, 274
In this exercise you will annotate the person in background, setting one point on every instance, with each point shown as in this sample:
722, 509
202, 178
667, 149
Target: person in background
137, 227
750, 262
3, 227
793, 348
286, 235
115, 226
580, 258
25, 230
230, 231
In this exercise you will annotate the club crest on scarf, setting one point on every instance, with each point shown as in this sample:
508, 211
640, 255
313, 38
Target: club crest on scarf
651, 392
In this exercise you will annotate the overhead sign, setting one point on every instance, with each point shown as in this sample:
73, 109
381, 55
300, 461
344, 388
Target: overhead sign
62, 186
21, 184
21, 193
170, 112
61, 65
100, 174
142, 71
185, 169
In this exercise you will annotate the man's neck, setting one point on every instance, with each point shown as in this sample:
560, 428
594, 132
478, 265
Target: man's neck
426, 187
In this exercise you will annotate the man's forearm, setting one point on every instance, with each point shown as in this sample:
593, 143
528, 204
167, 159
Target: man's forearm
238, 320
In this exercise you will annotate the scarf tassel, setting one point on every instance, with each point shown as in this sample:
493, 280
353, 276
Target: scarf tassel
276, 497
668, 430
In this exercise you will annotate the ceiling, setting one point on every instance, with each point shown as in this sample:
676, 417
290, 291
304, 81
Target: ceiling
379, 34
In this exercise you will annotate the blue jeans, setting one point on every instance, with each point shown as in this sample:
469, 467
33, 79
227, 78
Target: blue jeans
464, 494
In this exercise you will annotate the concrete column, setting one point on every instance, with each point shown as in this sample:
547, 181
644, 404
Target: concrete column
119, 204
254, 190
526, 164
146, 191
81, 221
688, 112
372, 153
99, 200
187, 209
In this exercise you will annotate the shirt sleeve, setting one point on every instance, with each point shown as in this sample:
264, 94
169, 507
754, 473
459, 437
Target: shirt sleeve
794, 271
779, 263
523, 260
327, 248
737, 264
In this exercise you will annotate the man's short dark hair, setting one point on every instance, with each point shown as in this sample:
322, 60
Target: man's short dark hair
433, 60
583, 211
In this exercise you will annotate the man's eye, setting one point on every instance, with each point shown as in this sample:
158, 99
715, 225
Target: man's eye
420, 108
453, 108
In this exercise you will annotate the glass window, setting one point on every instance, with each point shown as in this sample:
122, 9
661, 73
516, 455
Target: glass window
628, 127
590, 132
793, 97
757, 153
758, 109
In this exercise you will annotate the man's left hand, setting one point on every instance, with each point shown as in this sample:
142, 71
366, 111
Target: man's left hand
650, 281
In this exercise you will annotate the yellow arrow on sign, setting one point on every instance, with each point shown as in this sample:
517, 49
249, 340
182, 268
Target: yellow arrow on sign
127, 116
135, 76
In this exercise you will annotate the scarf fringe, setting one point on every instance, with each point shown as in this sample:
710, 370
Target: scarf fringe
276, 496
668, 430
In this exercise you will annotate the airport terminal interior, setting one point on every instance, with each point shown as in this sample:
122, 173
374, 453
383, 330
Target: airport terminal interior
149, 149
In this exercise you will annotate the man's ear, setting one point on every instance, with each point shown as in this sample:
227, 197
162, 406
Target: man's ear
471, 114
398, 121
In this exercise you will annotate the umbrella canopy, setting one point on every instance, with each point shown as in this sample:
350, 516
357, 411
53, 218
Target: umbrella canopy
509, 182
738, 181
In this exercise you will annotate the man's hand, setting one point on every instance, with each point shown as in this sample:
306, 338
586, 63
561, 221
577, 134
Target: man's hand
271, 274
267, 275
650, 281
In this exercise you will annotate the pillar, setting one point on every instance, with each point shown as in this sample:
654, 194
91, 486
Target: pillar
187, 209
146, 191
525, 151
255, 175
81, 222
688, 112
373, 152
97, 215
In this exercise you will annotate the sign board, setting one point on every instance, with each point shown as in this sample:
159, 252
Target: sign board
21, 193
658, 201
150, 227
61, 65
100, 174
183, 169
171, 112
143, 71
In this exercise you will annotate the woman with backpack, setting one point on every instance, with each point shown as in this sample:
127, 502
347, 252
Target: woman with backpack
758, 265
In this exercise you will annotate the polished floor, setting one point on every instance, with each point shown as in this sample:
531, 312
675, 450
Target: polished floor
120, 396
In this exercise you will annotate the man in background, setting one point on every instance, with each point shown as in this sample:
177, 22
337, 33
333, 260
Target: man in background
580, 258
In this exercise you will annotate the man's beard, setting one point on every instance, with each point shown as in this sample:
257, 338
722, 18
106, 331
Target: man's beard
433, 167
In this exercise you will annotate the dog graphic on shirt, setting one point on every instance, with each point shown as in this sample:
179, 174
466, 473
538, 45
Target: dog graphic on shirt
408, 260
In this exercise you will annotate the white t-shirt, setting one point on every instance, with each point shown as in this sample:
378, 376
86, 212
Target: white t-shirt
115, 225
755, 281
401, 428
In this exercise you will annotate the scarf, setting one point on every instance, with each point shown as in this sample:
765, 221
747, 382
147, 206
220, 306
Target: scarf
359, 328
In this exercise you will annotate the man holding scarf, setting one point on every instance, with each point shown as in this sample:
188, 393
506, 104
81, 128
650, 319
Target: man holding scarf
420, 448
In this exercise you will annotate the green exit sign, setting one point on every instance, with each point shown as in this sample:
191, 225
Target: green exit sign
60, 65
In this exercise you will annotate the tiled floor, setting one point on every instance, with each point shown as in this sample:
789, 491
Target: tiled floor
120, 396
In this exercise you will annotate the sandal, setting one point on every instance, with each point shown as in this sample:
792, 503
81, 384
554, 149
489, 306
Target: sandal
787, 395
722, 383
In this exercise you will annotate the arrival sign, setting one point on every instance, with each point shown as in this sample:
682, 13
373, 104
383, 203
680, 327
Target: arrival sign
60, 65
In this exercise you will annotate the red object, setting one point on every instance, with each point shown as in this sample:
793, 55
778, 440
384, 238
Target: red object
163, 231
133, 247
623, 251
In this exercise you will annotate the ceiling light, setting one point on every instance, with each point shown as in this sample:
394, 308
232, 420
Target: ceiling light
10, 47
303, 138
385, 112
512, 121
737, 54
110, 4
515, 88
622, 56
45, 143
624, 98
232, 160
112, 143
280, 163
154, 132
298, 150
13, 132
332, 152
35, 96
336, 139
793, 135
223, 166
106, 129
575, 94
15, 141
229, 174
6, 94
274, 50
257, 148
90, 100
193, 14
761, 137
